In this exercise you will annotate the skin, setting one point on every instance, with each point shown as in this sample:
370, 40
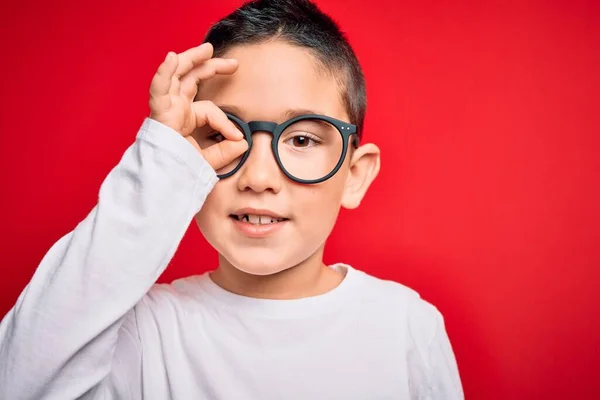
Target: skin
262, 82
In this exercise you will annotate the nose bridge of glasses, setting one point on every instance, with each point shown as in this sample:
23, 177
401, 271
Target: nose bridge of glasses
259, 152
262, 126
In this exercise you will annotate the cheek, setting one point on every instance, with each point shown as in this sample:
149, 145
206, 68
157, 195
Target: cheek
211, 210
318, 206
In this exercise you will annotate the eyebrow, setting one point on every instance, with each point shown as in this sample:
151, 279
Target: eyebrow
289, 113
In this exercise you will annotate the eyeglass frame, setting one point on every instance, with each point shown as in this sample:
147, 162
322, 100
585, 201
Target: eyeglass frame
345, 129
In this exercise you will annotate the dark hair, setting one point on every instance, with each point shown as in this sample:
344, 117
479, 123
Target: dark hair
300, 23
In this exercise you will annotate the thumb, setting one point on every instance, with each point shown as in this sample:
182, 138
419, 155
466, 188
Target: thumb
223, 153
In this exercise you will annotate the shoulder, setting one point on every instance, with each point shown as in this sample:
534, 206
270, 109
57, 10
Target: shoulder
178, 296
419, 322
420, 314
432, 369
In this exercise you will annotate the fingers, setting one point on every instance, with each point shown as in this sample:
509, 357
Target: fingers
182, 73
224, 153
161, 82
206, 70
206, 112
192, 58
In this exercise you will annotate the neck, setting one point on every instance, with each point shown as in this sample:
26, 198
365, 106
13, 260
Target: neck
309, 278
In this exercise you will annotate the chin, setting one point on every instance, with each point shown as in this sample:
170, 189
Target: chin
260, 257
260, 269
260, 262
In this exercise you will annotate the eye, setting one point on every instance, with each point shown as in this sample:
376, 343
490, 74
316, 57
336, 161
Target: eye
216, 137
302, 141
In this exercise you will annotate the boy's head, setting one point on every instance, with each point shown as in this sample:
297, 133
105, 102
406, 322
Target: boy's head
299, 23
293, 60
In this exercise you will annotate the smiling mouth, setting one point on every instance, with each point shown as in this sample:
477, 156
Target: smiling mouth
257, 219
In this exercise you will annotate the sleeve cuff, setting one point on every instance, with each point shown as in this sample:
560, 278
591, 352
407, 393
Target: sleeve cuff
171, 141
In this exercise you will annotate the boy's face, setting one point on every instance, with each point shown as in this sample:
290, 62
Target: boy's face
274, 79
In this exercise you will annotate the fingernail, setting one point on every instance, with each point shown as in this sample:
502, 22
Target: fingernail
168, 56
239, 134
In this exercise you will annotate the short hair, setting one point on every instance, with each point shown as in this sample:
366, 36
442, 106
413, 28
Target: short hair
300, 23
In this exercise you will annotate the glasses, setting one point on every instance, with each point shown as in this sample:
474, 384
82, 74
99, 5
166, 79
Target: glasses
308, 148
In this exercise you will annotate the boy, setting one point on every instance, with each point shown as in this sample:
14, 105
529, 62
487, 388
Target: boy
271, 322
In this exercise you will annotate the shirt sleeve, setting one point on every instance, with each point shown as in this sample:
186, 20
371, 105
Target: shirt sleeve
58, 340
432, 367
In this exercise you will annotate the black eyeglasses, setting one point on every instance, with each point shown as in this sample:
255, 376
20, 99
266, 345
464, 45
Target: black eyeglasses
308, 148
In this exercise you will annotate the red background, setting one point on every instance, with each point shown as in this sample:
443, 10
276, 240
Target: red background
487, 203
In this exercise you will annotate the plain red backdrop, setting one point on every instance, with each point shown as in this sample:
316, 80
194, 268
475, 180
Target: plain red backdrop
487, 202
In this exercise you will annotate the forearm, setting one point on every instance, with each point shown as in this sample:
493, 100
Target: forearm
60, 336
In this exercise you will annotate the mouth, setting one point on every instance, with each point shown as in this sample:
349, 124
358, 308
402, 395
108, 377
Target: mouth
258, 219
258, 223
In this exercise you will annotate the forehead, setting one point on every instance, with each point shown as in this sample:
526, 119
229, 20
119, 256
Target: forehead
273, 78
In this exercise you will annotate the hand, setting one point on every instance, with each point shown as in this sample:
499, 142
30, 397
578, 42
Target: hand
172, 94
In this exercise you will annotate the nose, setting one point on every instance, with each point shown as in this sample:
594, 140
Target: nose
260, 171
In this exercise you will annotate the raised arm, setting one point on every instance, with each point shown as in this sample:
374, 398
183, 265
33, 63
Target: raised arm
59, 339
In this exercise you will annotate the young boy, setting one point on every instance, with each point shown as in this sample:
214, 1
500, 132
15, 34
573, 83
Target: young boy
255, 134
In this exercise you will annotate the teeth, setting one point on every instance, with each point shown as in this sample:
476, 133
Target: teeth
259, 219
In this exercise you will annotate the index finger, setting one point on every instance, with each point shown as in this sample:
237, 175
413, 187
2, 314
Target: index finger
206, 112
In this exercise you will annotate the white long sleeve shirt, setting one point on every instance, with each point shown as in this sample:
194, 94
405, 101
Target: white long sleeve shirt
92, 323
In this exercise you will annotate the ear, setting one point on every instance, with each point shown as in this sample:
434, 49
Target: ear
364, 167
